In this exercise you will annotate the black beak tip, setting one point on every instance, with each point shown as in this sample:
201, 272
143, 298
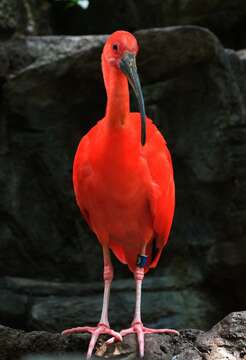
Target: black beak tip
143, 138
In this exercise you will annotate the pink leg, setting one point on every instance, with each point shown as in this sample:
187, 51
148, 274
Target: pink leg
137, 325
103, 325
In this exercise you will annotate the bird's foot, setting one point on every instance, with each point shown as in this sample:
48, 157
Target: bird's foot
138, 328
95, 332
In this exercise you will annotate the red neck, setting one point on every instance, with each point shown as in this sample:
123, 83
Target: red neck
117, 93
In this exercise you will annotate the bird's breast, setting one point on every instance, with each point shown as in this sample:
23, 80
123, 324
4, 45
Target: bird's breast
119, 197
118, 162
123, 208
116, 189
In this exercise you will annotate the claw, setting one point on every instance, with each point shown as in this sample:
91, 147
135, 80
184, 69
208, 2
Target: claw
110, 341
138, 328
116, 335
96, 332
140, 334
78, 330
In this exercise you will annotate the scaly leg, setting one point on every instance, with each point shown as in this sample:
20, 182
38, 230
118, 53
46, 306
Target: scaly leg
137, 325
103, 325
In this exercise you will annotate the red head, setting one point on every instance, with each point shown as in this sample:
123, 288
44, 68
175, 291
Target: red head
117, 45
120, 52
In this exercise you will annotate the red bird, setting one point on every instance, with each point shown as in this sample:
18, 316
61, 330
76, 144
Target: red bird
123, 183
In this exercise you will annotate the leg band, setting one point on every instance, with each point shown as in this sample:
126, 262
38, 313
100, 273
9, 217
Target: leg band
142, 260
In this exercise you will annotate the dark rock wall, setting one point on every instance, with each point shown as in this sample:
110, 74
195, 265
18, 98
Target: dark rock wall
225, 18
52, 93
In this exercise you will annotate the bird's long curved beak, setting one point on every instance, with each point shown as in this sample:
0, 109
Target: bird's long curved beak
129, 68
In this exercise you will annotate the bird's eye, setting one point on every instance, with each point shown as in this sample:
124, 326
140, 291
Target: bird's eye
115, 47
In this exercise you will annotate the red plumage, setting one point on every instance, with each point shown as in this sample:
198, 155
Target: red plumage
125, 191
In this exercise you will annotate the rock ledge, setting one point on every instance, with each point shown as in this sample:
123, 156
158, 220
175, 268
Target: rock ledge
226, 340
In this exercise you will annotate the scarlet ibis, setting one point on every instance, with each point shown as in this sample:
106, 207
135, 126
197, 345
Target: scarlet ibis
123, 183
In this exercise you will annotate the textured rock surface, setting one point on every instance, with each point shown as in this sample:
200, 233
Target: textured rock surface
25, 17
225, 341
52, 94
8, 16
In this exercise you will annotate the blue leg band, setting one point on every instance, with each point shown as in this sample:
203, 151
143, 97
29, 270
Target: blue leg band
142, 260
